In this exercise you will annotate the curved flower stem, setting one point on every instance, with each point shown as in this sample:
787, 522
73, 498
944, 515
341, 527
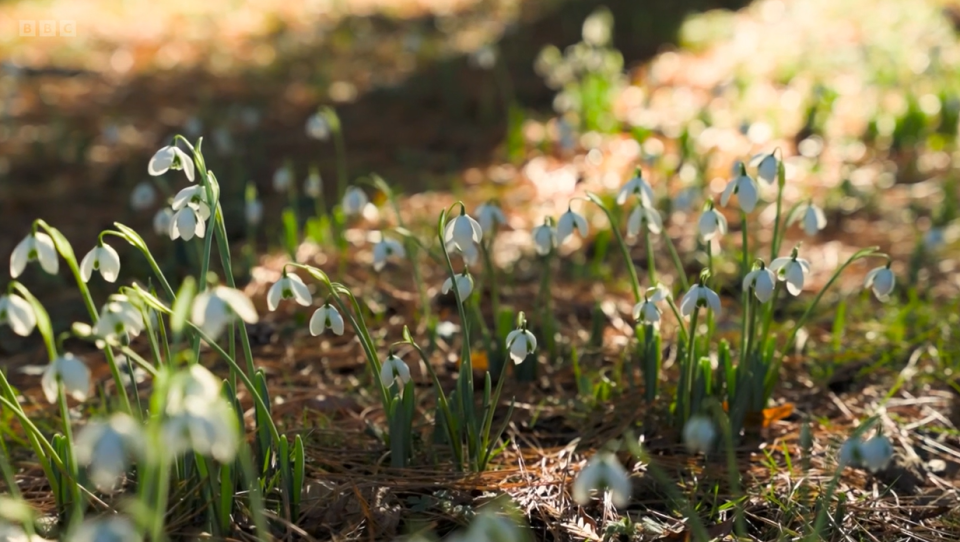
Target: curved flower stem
685, 393
745, 262
223, 247
124, 232
681, 274
634, 281
71, 459
651, 261
777, 234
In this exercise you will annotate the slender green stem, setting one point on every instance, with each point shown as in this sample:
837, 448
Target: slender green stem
624, 250
651, 261
681, 274
745, 262
71, 459
490, 272
686, 392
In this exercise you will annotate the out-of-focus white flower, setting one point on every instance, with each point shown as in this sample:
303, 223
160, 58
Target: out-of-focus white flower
195, 197
171, 157
464, 285
17, 312
644, 217
102, 258
768, 168
354, 201
463, 233
71, 372
699, 434
326, 317
490, 527
876, 453
604, 471
882, 281
143, 197
636, 186
646, 312
849, 455
119, 320
36, 246
791, 270
108, 529
568, 221
712, 223
699, 296
813, 219
253, 211
313, 186
545, 238
282, 179
106, 448
317, 127
746, 190
384, 250
934, 238
187, 223
394, 368
162, 221
484, 57
198, 418
15, 533
215, 308
762, 281
521, 343
288, 287
598, 28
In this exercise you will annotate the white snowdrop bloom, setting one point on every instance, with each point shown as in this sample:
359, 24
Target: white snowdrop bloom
521, 343
882, 281
102, 258
484, 57
462, 233
644, 217
490, 527
36, 246
746, 190
646, 312
699, 434
393, 369
162, 221
812, 218
603, 471
71, 372
544, 238
317, 127
712, 224
171, 157
934, 238
253, 212
15, 533
767, 169
598, 28
699, 296
326, 317
106, 448
568, 221
639, 187
143, 197
850, 453
313, 186
791, 270
215, 308
198, 418
187, 223
876, 453
282, 180
384, 250
354, 201
17, 313
464, 285
195, 197
119, 320
109, 529
762, 281
289, 286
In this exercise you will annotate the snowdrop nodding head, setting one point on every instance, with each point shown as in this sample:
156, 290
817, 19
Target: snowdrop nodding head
712, 223
699, 434
36, 246
282, 179
214, 308
644, 218
792, 271
812, 218
198, 418
106, 529
119, 320
882, 281
603, 471
876, 453
646, 312
639, 187
288, 287
762, 281
162, 221
354, 201
324, 318
745, 188
318, 127
849, 455
489, 215
171, 157
69, 371
462, 232
520, 342
253, 211
545, 237
106, 447
313, 186
464, 285
393, 369
17, 312
568, 221
143, 196
698, 296
101, 258
187, 223
768, 169
385, 249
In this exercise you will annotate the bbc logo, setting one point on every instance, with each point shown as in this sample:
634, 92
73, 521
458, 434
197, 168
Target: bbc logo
48, 28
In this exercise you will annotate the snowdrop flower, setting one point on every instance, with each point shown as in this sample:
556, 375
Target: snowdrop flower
791, 270
639, 187
198, 418
768, 169
876, 453
171, 157
317, 127
849, 455
253, 212
187, 223
521, 343
385, 249
119, 320
813, 219
15, 533
106, 447
102, 258
143, 197
603, 471
326, 317
36, 246
712, 223
646, 312
545, 237
881, 280
463, 233
598, 28
568, 221
746, 190
644, 217
699, 296
464, 285
762, 281
490, 527
288, 287
112, 529
393, 369
484, 58
215, 308
195, 197
699, 434
282, 179
162, 221
17, 312
934, 238
354, 201
313, 186
71, 372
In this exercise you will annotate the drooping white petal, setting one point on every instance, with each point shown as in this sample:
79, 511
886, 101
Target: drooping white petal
18, 314
489, 215
727, 192
767, 169
21, 256
689, 302
876, 453
882, 281
793, 276
354, 201
274, 295
713, 300
813, 220
699, 434
239, 303
161, 161
747, 193
326, 317
778, 263
544, 239
109, 263
603, 471
72, 373
87, 263
46, 253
